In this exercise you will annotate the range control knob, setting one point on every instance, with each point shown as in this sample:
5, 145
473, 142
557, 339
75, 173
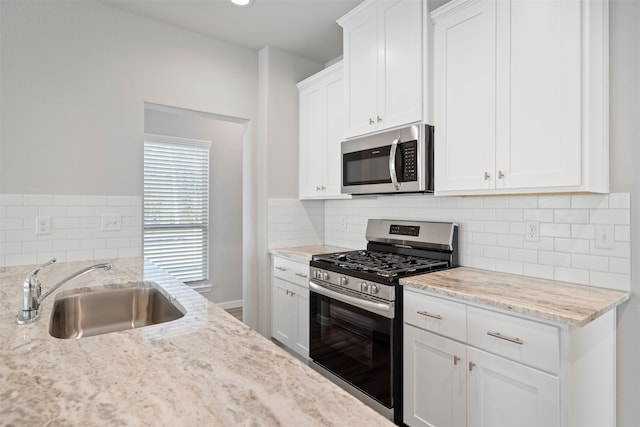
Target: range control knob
373, 289
343, 281
325, 276
364, 286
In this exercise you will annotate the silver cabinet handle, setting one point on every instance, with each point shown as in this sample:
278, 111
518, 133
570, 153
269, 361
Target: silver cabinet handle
281, 268
506, 338
379, 119
456, 359
500, 175
487, 176
371, 121
301, 275
392, 163
471, 366
427, 314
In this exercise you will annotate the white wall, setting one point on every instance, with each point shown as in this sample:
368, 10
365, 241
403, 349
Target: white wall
225, 210
75, 76
74, 79
625, 158
277, 168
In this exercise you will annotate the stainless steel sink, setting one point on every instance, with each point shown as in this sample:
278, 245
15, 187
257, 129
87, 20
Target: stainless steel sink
107, 310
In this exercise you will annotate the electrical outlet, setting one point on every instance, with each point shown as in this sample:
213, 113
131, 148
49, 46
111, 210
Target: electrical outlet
111, 222
605, 238
532, 231
43, 225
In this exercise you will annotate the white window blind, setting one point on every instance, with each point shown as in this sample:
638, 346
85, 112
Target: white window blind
176, 206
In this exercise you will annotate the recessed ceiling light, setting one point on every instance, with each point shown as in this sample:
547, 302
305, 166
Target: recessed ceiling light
243, 3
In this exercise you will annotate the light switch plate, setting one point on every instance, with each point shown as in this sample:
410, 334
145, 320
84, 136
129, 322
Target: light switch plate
111, 222
605, 236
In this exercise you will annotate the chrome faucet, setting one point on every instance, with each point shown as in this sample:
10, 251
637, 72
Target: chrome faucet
32, 295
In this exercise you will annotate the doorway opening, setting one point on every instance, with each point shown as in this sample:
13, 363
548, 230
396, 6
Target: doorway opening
224, 239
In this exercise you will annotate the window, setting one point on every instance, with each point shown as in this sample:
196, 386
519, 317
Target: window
176, 206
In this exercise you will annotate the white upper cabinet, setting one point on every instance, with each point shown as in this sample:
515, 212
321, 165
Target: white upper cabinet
383, 71
321, 132
521, 96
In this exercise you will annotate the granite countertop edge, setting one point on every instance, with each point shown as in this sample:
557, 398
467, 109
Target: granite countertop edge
305, 253
571, 304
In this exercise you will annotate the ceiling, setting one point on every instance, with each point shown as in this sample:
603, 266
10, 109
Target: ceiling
302, 27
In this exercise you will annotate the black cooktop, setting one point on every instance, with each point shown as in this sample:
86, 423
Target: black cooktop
382, 264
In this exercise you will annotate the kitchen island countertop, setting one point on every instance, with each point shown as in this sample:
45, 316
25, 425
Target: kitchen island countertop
205, 369
571, 304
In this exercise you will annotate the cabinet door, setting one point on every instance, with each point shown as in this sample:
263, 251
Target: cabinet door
505, 393
313, 136
301, 304
361, 71
282, 314
465, 103
400, 71
335, 134
538, 143
434, 380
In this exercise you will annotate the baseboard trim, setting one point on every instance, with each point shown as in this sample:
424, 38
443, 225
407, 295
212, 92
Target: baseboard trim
229, 304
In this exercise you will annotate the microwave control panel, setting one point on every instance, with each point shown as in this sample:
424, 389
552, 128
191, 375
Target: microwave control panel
410, 161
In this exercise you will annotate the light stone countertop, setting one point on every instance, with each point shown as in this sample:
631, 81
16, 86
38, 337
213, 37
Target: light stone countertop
305, 253
574, 305
205, 369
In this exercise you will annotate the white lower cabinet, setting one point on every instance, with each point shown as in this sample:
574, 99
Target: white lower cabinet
435, 384
504, 393
290, 305
503, 369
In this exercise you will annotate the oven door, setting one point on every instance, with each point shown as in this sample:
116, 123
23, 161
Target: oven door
354, 343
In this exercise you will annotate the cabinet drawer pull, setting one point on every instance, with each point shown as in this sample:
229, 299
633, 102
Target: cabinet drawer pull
471, 366
301, 275
487, 176
281, 268
371, 121
456, 359
506, 338
433, 316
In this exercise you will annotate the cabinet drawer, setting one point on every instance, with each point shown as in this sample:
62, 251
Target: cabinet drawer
531, 343
291, 271
434, 314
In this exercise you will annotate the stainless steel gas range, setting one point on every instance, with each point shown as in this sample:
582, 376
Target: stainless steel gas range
355, 335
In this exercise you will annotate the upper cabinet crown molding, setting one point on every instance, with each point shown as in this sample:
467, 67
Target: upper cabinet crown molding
383, 65
521, 98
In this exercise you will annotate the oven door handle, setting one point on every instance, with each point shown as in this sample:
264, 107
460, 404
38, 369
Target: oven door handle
392, 163
383, 309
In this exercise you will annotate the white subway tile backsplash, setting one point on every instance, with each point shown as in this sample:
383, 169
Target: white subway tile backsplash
76, 223
491, 227
623, 233
579, 246
620, 282
620, 201
523, 255
571, 275
555, 230
557, 259
580, 231
571, 216
554, 202
597, 201
590, 262
541, 215
610, 216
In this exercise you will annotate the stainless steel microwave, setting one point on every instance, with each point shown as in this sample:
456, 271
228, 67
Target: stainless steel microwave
398, 161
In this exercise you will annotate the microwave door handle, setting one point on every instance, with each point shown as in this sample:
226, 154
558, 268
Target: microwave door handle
392, 164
